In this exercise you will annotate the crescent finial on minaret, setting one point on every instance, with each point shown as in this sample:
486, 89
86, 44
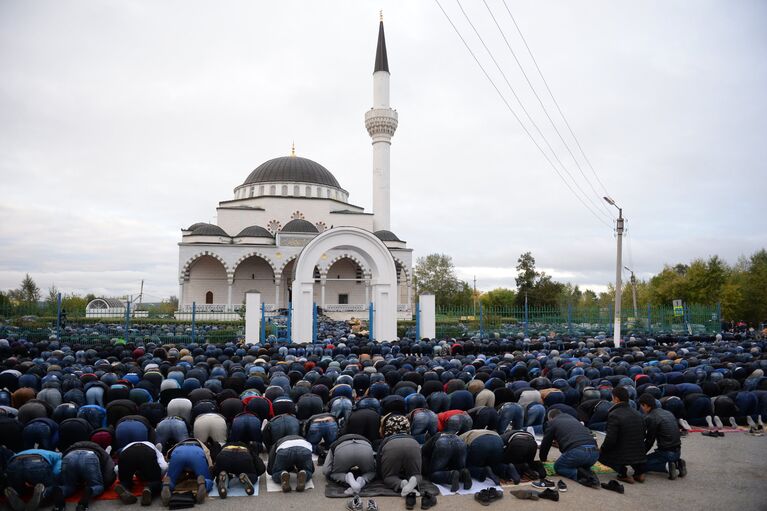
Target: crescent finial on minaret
380, 14
293, 149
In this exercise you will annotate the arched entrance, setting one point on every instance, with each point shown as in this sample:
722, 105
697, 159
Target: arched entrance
383, 281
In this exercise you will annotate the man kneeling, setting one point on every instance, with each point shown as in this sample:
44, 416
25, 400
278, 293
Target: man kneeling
661, 426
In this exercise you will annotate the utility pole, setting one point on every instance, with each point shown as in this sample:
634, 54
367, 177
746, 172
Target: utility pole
140, 296
633, 291
474, 296
618, 268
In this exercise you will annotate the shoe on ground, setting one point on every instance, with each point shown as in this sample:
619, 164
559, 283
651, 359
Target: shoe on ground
354, 504
202, 490
285, 481
712, 434
561, 485
466, 478
372, 506
613, 485
427, 501
222, 481
124, 495
549, 494
494, 494
626, 479
682, 466
455, 481
482, 497
165, 493
544, 483
410, 500
301, 483
247, 484
673, 471
14, 501
525, 494
146, 497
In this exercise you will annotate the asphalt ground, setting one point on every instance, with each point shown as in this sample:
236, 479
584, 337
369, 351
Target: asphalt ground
724, 474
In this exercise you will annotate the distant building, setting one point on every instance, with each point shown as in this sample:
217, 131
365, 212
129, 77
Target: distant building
111, 308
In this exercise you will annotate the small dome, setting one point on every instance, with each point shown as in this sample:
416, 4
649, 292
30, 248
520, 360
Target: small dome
255, 231
299, 225
384, 235
195, 226
209, 230
292, 169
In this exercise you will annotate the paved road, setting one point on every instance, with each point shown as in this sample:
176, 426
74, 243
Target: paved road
726, 474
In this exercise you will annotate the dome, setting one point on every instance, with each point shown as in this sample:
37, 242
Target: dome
384, 235
292, 169
208, 230
195, 226
299, 225
255, 231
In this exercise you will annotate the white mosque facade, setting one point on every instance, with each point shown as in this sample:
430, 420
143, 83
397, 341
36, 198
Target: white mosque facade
262, 233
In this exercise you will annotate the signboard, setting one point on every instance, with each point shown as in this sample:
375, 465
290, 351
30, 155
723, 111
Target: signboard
678, 308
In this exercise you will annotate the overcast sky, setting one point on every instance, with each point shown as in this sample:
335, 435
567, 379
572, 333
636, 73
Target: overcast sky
121, 122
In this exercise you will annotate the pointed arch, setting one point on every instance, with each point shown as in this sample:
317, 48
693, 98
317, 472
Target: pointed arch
188, 264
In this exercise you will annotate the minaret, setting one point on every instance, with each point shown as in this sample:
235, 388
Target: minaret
381, 123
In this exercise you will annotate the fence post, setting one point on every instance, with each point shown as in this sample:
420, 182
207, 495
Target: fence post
718, 326
370, 322
58, 316
252, 317
314, 322
610, 323
194, 317
570, 318
526, 318
262, 335
127, 319
290, 319
481, 321
417, 320
427, 317
649, 319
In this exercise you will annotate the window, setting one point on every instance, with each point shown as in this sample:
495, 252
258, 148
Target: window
343, 299
261, 190
284, 189
273, 190
296, 190
327, 192
209, 297
359, 275
252, 191
308, 191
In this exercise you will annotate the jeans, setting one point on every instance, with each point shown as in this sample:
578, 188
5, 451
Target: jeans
292, 459
510, 414
568, 462
657, 460
486, 452
43, 432
449, 454
171, 431
422, 423
246, 428
130, 431
326, 432
534, 416
458, 424
698, 407
210, 426
30, 470
81, 467
191, 458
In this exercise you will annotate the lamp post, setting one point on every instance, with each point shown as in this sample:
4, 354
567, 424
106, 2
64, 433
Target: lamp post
633, 291
618, 266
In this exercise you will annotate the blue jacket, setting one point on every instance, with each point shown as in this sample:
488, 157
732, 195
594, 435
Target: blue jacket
54, 458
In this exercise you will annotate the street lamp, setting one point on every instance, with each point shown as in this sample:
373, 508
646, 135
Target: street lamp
618, 266
633, 290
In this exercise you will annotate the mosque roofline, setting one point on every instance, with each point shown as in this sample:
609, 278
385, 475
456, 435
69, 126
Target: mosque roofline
226, 202
349, 212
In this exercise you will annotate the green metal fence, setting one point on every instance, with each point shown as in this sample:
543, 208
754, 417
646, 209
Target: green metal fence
576, 321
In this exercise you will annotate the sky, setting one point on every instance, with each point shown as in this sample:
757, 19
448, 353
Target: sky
123, 121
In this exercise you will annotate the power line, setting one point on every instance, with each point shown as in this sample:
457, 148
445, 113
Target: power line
546, 112
522, 125
556, 103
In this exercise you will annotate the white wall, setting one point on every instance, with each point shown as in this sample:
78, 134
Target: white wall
206, 274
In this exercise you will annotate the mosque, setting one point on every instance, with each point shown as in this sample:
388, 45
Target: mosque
287, 204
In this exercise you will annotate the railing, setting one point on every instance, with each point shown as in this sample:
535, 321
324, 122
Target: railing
344, 307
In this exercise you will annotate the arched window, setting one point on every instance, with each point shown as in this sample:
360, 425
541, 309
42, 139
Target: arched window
261, 190
296, 190
252, 190
308, 191
284, 189
273, 190
209, 297
327, 192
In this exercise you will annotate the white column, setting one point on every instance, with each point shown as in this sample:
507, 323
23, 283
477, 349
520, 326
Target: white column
428, 321
367, 290
277, 292
409, 294
229, 295
252, 317
381, 123
323, 279
180, 294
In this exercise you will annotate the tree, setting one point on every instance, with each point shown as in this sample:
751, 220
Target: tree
28, 293
500, 297
435, 274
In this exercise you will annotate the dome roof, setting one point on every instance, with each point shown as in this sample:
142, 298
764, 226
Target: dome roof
208, 230
299, 225
255, 231
292, 169
195, 226
384, 235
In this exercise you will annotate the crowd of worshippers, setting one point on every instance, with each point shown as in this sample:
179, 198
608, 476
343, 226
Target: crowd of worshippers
180, 419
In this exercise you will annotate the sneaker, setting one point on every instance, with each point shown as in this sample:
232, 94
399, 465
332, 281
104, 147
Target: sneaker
410, 500
682, 466
613, 485
673, 472
146, 497
756, 431
165, 493
549, 494
372, 506
202, 489
455, 481
561, 485
285, 481
302, 477
247, 484
222, 482
428, 500
466, 478
544, 483
124, 495
14, 501
712, 434
354, 504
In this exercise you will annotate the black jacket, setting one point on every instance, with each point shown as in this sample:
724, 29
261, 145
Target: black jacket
661, 425
105, 460
624, 443
568, 432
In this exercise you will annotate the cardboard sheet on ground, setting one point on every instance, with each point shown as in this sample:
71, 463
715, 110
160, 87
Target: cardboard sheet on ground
598, 468
236, 489
375, 488
271, 486
476, 487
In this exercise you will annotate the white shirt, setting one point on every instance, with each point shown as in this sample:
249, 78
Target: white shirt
298, 442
